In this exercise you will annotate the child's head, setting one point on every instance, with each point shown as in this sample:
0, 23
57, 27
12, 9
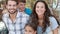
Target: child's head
21, 4
30, 28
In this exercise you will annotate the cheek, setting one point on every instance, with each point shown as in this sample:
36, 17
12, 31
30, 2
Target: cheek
15, 7
40, 12
43, 11
20, 6
36, 10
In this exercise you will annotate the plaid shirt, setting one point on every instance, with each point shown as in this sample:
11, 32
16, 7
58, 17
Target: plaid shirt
16, 27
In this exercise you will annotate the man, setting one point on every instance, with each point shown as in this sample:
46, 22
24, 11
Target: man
14, 20
22, 7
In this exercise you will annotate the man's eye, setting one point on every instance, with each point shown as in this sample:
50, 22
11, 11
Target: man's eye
9, 5
14, 5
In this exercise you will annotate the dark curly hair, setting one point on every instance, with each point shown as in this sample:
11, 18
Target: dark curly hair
47, 14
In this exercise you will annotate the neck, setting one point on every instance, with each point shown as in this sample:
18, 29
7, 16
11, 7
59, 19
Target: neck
13, 16
41, 17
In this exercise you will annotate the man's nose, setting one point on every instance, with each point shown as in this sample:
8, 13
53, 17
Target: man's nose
12, 7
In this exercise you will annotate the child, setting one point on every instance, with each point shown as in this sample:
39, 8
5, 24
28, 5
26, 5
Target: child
30, 28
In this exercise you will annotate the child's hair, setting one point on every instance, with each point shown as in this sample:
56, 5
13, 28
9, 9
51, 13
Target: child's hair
23, 1
32, 25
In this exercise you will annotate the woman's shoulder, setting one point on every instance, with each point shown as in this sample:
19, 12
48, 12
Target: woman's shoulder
53, 22
51, 18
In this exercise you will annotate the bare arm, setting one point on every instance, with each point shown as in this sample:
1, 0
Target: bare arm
55, 31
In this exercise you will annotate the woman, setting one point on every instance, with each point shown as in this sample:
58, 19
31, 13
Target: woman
46, 21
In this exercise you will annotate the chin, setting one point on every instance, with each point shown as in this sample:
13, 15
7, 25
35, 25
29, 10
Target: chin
11, 12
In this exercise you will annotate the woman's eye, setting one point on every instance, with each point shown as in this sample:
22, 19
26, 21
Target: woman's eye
37, 6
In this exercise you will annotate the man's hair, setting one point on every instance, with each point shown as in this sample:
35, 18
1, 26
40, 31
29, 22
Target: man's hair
11, 0
23, 1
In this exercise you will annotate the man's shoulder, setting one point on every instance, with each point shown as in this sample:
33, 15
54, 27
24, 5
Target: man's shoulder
5, 14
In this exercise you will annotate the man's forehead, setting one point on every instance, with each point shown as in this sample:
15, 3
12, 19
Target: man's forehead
11, 2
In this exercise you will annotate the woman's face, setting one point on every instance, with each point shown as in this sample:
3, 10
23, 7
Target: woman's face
29, 30
40, 8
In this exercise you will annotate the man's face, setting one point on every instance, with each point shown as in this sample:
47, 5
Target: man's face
21, 6
11, 6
